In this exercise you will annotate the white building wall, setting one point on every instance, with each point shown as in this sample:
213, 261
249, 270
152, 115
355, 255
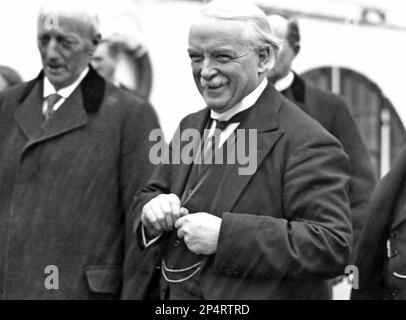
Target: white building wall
377, 53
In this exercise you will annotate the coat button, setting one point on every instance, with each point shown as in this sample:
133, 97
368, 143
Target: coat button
394, 254
227, 271
176, 244
393, 234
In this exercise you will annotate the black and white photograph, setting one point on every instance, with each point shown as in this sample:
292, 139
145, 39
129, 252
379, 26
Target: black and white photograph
199, 156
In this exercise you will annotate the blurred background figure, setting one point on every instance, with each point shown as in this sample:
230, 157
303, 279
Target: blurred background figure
382, 252
123, 58
8, 78
329, 110
105, 60
115, 50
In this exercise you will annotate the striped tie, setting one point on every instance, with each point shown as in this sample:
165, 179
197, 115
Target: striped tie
51, 101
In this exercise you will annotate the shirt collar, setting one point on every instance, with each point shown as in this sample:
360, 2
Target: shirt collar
285, 83
244, 104
64, 92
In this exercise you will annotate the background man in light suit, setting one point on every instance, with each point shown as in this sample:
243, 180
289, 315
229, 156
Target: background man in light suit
331, 112
74, 153
211, 233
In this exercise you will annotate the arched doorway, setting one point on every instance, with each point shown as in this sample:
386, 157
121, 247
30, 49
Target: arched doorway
379, 124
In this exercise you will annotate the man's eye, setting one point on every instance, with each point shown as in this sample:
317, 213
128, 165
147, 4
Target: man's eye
66, 43
223, 58
43, 40
196, 58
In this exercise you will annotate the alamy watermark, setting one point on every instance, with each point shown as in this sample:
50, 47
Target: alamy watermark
190, 147
352, 274
51, 22
52, 279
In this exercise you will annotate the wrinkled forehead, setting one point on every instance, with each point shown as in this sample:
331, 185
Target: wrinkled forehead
219, 31
65, 23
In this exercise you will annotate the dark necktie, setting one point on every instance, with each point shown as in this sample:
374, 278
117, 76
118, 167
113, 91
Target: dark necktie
239, 117
51, 100
212, 143
208, 150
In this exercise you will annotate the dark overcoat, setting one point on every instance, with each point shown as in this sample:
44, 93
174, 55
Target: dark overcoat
332, 112
381, 259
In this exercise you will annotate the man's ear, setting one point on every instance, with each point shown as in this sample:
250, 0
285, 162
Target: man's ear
265, 58
95, 42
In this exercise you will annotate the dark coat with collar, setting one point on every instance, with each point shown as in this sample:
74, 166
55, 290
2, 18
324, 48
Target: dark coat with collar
381, 259
332, 112
285, 229
65, 188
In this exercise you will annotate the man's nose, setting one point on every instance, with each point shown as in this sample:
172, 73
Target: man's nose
208, 70
51, 50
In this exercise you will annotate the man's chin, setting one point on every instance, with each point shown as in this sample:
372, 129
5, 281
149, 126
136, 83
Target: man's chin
56, 80
217, 107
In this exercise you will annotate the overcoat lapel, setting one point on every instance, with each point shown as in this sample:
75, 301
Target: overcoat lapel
183, 170
72, 115
28, 114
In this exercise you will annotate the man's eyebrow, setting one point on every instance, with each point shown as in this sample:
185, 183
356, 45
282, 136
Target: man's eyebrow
193, 50
214, 51
67, 37
224, 50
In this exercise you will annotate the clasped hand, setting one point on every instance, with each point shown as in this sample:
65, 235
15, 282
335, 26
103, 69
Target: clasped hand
200, 231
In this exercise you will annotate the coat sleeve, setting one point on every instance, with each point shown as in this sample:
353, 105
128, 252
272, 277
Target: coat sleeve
140, 268
363, 179
313, 239
158, 183
135, 166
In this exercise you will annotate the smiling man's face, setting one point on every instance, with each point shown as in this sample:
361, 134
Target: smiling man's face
225, 66
66, 48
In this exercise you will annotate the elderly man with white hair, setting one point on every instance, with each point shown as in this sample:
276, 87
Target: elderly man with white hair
211, 231
74, 153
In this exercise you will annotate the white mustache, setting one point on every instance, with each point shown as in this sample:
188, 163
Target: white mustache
215, 82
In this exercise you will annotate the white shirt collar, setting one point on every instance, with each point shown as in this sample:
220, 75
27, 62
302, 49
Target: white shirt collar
244, 104
285, 83
64, 92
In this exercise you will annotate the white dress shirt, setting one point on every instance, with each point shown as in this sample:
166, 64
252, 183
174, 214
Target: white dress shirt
243, 105
285, 83
64, 92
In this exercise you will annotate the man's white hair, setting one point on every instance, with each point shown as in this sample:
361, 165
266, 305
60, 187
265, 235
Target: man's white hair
82, 10
259, 32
